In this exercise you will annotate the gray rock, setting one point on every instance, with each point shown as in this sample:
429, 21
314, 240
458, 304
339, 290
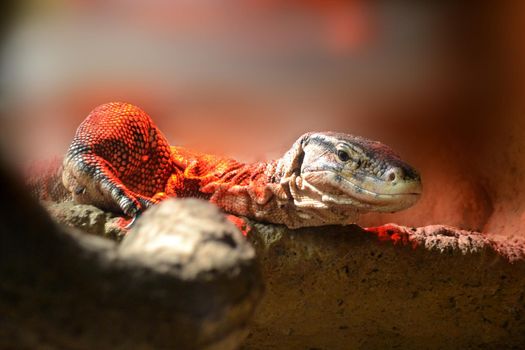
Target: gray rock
87, 218
187, 237
344, 287
62, 289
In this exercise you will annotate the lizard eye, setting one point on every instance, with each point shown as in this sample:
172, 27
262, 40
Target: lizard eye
343, 155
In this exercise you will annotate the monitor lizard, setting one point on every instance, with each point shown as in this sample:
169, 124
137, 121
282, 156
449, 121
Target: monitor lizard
120, 161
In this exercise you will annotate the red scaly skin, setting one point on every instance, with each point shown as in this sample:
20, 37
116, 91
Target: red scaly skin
119, 160
238, 188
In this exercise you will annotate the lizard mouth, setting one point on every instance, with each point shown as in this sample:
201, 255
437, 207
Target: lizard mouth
342, 191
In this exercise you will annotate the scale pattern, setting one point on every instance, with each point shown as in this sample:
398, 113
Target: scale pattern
118, 146
120, 161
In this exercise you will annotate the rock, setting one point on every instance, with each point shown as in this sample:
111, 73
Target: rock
389, 287
87, 218
346, 287
192, 240
62, 289
187, 237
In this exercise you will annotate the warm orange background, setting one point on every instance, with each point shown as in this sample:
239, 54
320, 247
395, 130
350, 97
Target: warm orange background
443, 84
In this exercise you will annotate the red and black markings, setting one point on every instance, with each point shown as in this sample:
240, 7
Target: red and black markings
119, 147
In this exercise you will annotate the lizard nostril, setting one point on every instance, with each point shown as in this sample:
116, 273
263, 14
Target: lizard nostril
394, 174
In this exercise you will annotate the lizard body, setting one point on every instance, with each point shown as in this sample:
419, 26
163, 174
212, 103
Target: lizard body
119, 160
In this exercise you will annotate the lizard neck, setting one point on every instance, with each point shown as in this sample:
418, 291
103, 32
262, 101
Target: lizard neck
271, 191
205, 175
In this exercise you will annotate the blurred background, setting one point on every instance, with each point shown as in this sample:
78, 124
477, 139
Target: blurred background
440, 82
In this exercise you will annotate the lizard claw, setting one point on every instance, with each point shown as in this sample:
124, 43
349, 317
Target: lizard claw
132, 221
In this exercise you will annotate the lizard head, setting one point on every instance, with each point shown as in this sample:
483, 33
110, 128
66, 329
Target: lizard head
345, 173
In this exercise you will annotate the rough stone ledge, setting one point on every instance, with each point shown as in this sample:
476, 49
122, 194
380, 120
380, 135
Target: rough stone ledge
87, 218
392, 286
388, 287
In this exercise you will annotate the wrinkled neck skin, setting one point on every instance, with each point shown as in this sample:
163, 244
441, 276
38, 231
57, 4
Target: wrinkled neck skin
309, 205
272, 191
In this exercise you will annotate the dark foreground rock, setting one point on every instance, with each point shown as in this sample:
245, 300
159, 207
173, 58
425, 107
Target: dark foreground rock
166, 286
392, 286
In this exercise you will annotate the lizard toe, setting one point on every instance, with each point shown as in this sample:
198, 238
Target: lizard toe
130, 206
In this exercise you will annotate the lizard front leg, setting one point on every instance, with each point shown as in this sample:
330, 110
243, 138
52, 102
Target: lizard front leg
92, 180
118, 160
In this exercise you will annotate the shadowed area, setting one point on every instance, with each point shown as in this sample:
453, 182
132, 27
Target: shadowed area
167, 285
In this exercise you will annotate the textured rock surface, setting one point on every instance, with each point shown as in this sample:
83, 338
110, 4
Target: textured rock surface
429, 287
87, 218
67, 290
345, 288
